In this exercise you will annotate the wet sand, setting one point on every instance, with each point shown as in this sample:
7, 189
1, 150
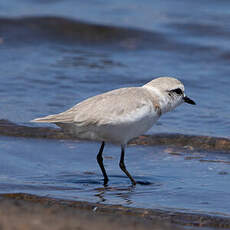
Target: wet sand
209, 143
24, 211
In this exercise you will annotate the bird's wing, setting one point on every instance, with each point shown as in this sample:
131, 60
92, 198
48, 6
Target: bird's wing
121, 105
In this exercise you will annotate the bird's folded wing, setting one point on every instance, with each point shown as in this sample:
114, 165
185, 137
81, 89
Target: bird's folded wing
122, 105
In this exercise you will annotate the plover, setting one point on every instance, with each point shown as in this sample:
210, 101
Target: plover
119, 115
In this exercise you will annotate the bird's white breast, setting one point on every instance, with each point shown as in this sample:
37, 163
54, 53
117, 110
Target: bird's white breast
122, 129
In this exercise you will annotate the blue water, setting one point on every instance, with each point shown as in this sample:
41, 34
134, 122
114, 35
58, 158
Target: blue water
50, 60
196, 182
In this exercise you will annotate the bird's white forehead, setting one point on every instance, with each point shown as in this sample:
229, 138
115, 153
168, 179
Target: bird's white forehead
165, 83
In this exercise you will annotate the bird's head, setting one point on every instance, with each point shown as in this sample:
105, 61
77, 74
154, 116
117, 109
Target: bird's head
169, 91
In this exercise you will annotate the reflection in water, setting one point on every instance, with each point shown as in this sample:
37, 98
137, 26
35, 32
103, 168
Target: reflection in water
124, 193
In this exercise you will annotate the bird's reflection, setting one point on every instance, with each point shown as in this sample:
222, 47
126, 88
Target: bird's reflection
123, 192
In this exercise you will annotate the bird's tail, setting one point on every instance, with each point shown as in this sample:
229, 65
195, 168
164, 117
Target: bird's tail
47, 119
65, 117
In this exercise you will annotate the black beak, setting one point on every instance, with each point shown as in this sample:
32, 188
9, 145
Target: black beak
188, 100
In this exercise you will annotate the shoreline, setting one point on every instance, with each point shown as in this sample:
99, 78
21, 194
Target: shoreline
190, 142
68, 213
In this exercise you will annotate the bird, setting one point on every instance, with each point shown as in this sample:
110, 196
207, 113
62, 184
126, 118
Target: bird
120, 115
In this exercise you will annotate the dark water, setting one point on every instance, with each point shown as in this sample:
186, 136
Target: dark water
56, 53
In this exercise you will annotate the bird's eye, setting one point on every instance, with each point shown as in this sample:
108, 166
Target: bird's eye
177, 91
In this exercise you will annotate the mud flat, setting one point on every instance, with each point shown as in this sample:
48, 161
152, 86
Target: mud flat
24, 211
8, 128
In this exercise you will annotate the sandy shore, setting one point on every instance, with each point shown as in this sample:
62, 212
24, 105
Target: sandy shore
21, 211
24, 211
206, 143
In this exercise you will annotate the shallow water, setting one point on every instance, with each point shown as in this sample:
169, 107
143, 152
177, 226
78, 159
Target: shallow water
51, 60
167, 178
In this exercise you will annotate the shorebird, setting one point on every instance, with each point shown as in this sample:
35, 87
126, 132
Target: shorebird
119, 115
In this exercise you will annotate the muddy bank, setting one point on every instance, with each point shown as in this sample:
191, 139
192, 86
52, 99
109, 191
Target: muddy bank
8, 128
29, 211
21, 211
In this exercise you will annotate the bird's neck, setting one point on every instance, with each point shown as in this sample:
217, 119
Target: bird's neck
164, 101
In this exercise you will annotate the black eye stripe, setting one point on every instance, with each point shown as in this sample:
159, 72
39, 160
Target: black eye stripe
177, 91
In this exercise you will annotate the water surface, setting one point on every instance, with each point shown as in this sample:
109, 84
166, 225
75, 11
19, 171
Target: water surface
54, 54
167, 178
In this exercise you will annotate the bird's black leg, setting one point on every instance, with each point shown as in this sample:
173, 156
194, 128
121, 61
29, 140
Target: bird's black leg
100, 162
122, 165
